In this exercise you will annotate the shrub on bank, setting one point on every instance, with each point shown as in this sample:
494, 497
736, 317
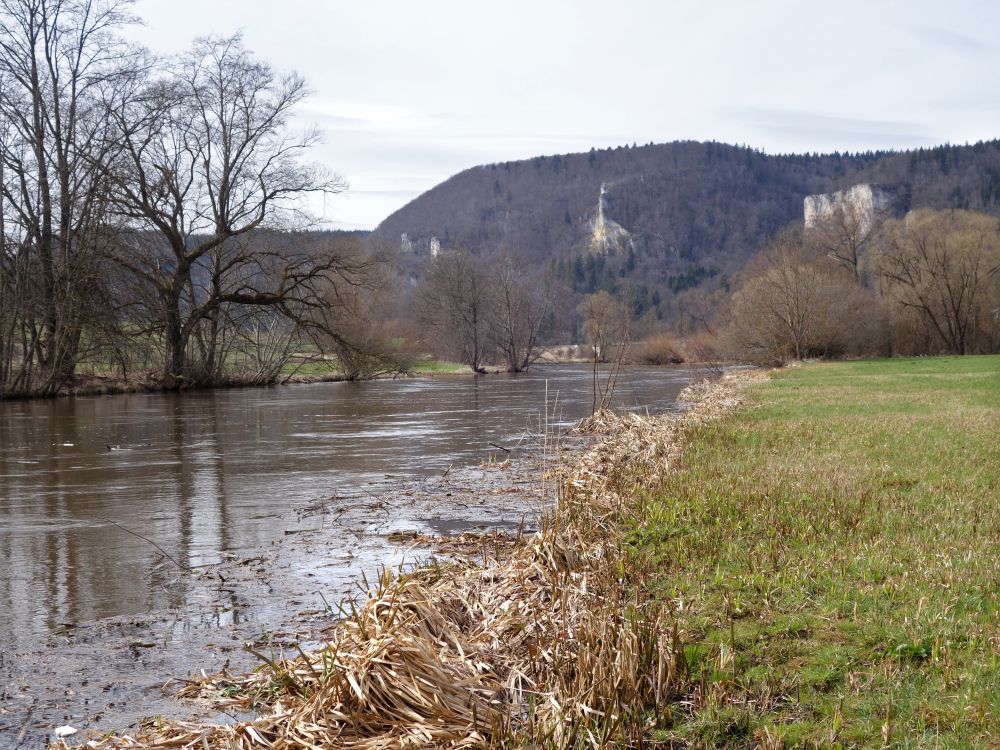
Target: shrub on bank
659, 349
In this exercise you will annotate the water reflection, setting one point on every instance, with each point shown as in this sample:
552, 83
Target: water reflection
202, 474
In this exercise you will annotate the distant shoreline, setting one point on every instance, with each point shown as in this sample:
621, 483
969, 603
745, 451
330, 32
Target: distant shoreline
103, 384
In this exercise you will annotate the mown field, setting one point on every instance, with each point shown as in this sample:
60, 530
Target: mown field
832, 554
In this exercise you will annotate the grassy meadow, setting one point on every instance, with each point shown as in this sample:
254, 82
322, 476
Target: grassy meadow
832, 554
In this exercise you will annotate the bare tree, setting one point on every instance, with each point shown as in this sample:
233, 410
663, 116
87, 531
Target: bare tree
696, 309
208, 162
794, 303
521, 310
942, 265
60, 63
848, 232
456, 306
606, 325
355, 327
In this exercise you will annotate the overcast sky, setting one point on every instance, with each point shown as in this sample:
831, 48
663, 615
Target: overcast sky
409, 92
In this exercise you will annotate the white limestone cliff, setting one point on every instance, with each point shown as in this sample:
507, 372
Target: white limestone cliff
865, 201
607, 235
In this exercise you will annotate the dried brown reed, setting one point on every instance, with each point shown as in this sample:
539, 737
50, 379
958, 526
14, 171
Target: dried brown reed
550, 643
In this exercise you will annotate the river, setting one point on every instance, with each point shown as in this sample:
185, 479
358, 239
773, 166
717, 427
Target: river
203, 475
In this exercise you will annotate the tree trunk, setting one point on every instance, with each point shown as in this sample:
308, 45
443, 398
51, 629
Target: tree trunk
176, 364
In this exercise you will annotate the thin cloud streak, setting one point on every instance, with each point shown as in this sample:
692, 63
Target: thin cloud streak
954, 40
823, 127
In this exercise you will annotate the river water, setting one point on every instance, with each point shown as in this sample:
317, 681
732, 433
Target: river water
202, 475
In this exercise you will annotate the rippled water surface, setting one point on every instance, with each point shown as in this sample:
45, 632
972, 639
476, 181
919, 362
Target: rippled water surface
205, 473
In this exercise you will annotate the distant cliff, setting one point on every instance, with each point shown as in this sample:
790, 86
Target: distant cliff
864, 202
666, 217
607, 235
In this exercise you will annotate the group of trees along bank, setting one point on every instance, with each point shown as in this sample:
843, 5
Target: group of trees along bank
152, 219
924, 283
484, 313
148, 206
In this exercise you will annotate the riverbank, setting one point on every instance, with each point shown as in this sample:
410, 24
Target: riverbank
100, 384
107, 384
541, 641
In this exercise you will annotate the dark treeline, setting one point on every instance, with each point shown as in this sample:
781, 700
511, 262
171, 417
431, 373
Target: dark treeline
151, 211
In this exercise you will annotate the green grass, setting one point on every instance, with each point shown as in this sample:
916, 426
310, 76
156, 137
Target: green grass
437, 366
316, 369
331, 367
832, 553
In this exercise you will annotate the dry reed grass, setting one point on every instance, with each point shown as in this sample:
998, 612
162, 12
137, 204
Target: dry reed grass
550, 644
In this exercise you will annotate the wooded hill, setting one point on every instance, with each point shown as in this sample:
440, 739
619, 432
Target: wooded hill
691, 212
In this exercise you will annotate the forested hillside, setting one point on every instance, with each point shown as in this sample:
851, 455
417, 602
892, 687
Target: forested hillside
691, 212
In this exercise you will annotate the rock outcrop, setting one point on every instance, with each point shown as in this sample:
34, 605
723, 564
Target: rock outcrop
864, 203
607, 235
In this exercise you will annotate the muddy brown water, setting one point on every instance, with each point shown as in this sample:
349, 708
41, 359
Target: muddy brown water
307, 478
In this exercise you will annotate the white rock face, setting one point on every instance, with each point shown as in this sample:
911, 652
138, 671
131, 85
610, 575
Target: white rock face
607, 235
435, 247
864, 201
405, 245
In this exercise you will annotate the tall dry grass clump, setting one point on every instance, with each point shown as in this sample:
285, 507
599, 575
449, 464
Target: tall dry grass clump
659, 349
553, 644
